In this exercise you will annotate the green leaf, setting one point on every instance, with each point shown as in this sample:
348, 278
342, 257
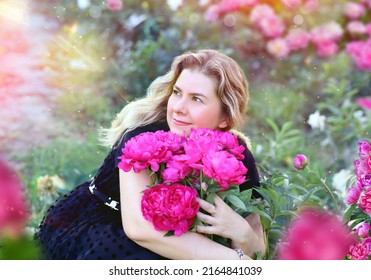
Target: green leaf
273, 126
356, 222
235, 201
169, 233
348, 213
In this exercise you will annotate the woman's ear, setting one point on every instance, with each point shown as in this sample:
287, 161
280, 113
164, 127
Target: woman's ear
223, 124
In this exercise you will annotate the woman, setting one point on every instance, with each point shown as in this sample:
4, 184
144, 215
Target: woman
102, 219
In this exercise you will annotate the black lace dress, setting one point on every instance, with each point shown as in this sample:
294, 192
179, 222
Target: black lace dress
84, 224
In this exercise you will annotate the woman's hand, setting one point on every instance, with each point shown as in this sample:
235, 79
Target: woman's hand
222, 220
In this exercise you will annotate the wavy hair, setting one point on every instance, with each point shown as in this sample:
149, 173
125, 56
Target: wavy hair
232, 90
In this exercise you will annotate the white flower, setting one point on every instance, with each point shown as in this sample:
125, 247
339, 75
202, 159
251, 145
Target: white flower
340, 179
359, 115
83, 4
174, 4
317, 121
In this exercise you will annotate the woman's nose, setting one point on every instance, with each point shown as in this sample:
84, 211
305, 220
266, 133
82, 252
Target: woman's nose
180, 107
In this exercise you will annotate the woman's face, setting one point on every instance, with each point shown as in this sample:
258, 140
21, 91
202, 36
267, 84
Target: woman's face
194, 104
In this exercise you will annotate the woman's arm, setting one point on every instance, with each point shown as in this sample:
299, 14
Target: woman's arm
189, 245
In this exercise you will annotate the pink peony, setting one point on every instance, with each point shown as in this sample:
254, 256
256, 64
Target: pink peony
315, 235
368, 29
311, 5
364, 201
364, 150
278, 48
354, 10
297, 39
327, 33
364, 102
358, 252
170, 208
367, 243
114, 5
353, 194
176, 169
229, 142
149, 149
363, 229
259, 12
224, 168
300, 161
326, 50
271, 26
14, 211
360, 52
366, 3
212, 13
356, 28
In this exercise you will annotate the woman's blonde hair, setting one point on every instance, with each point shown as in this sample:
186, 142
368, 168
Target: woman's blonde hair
232, 89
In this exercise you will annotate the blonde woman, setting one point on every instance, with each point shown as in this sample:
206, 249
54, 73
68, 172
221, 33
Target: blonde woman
102, 219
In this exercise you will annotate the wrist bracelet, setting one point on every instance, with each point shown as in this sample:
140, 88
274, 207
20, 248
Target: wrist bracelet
239, 252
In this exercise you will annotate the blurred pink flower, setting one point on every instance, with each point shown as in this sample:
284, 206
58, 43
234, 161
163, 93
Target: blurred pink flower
364, 201
271, 26
360, 52
327, 33
297, 39
315, 235
114, 5
212, 13
171, 207
300, 161
353, 194
356, 28
326, 50
363, 229
311, 5
259, 12
278, 48
368, 29
228, 6
248, 3
14, 211
354, 10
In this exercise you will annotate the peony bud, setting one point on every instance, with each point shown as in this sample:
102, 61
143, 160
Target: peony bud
114, 5
300, 161
363, 229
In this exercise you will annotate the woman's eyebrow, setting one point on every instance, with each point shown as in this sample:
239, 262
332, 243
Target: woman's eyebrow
193, 93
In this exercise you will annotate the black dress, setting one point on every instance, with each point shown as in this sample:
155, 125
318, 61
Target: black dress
81, 225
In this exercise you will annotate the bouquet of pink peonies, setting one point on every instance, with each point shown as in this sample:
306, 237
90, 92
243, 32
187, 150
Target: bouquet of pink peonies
182, 169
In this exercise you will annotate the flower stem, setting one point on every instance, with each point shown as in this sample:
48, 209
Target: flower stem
327, 188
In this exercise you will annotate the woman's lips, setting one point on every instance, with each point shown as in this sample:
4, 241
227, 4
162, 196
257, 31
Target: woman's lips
180, 123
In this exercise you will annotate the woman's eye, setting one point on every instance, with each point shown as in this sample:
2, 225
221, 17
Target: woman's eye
175, 92
196, 99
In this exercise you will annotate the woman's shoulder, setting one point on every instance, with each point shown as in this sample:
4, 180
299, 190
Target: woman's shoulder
242, 138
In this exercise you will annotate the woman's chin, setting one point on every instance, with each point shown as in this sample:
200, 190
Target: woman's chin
180, 131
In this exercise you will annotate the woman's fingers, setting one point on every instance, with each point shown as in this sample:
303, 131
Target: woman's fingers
206, 218
208, 207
